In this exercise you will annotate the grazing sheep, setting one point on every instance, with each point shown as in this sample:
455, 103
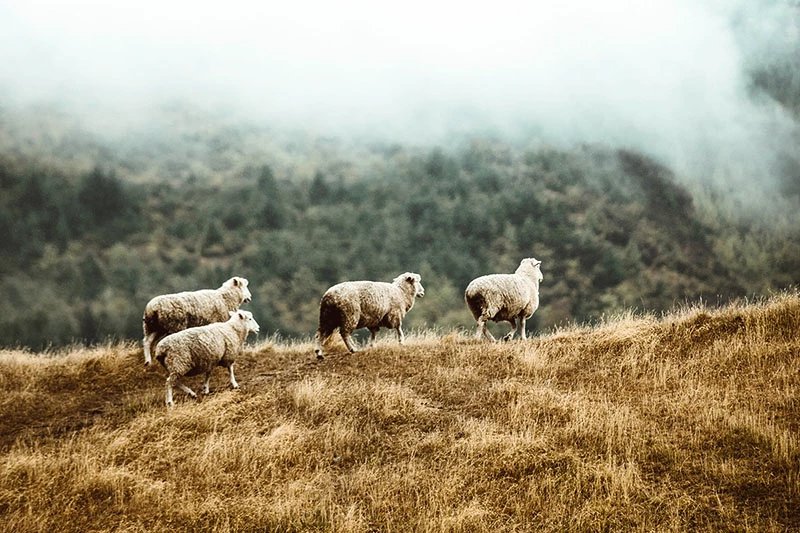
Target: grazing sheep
373, 305
505, 297
170, 313
199, 349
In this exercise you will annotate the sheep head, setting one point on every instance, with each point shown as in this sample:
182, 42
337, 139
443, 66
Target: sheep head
247, 318
242, 283
414, 280
530, 267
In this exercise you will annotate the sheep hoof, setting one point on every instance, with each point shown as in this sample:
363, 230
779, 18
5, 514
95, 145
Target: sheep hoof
320, 357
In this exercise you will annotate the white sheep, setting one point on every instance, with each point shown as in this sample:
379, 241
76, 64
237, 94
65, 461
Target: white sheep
199, 349
373, 305
170, 313
505, 297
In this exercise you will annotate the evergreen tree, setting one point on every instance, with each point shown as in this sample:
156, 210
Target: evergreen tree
319, 192
271, 211
103, 197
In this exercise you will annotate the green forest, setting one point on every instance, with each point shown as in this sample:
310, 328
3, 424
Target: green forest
92, 231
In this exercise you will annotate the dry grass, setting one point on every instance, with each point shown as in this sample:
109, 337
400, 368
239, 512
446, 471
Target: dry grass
687, 422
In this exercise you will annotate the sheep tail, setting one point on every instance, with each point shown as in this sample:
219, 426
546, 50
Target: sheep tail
150, 321
476, 303
331, 318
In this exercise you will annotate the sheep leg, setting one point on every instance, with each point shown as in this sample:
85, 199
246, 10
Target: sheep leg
522, 321
318, 342
483, 331
206, 390
348, 341
176, 379
401, 338
373, 332
510, 334
233, 379
148, 343
169, 394
187, 390
479, 329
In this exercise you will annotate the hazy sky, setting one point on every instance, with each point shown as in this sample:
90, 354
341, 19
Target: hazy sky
665, 74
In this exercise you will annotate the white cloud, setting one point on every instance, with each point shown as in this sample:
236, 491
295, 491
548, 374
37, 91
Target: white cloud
666, 76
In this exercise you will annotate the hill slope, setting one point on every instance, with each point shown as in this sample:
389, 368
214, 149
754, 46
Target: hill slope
689, 421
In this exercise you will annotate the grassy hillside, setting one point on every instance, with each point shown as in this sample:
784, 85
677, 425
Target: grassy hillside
687, 421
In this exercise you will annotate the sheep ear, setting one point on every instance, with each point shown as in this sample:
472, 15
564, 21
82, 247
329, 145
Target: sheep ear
241, 316
410, 279
235, 282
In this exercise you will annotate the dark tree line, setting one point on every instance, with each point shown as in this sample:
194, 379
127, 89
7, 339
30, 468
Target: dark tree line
82, 254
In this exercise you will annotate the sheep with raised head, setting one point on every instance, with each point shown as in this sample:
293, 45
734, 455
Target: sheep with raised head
353, 305
199, 349
170, 313
505, 298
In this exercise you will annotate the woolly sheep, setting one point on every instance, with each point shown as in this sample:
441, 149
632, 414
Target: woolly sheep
170, 313
199, 349
505, 297
373, 305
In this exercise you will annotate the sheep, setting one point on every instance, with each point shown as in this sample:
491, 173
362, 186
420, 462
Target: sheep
199, 349
170, 313
505, 297
353, 305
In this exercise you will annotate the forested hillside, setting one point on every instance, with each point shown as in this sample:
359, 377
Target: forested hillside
93, 228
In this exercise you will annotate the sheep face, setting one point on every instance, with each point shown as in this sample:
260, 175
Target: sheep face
415, 280
419, 290
532, 265
247, 318
240, 282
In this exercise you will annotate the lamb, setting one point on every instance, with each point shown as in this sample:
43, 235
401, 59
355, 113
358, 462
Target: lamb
505, 297
373, 305
199, 349
170, 313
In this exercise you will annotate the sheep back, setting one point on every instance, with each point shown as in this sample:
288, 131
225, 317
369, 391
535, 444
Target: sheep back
170, 313
199, 349
361, 304
500, 297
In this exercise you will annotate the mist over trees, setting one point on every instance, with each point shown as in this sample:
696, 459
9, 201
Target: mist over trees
645, 178
86, 249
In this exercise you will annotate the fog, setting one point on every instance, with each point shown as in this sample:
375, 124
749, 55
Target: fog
667, 77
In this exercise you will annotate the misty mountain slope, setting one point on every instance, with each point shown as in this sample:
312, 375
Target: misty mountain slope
86, 249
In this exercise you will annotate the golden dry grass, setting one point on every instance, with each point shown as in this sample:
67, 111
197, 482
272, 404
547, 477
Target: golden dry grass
686, 422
